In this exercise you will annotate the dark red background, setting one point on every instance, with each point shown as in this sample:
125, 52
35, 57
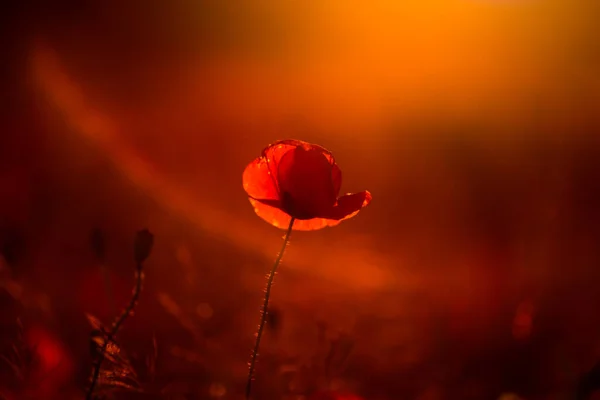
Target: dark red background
475, 125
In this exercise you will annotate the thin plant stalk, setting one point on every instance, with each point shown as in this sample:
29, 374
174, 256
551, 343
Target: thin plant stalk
264, 310
115, 328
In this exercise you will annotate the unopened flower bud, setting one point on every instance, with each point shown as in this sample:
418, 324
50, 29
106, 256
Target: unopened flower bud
144, 240
98, 244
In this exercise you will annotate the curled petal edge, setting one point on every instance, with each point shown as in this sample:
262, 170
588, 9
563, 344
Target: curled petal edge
346, 207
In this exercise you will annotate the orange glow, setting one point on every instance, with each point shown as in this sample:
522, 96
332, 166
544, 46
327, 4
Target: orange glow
106, 133
86, 120
472, 122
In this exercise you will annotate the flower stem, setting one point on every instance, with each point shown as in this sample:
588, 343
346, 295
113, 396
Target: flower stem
115, 328
265, 306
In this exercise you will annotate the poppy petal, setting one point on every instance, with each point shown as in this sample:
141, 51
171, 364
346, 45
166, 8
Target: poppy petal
275, 151
336, 172
280, 219
258, 182
272, 155
305, 182
260, 176
348, 206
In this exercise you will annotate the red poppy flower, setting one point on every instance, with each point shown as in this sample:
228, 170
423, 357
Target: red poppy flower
297, 179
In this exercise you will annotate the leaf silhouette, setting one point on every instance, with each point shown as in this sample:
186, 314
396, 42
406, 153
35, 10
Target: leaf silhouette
116, 372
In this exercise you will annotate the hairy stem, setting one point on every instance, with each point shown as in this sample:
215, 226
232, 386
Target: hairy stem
139, 275
115, 328
264, 311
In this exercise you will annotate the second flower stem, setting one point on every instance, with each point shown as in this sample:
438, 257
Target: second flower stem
139, 279
265, 307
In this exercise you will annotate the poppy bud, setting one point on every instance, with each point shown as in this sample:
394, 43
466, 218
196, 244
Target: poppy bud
98, 244
144, 240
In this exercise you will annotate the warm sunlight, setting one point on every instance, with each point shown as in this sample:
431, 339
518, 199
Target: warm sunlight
316, 200
85, 119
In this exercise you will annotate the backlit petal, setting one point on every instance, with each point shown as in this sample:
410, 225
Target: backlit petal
260, 176
275, 151
305, 182
336, 172
281, 220
348, 206
258, 182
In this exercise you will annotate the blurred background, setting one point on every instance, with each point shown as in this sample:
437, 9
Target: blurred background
473, 274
